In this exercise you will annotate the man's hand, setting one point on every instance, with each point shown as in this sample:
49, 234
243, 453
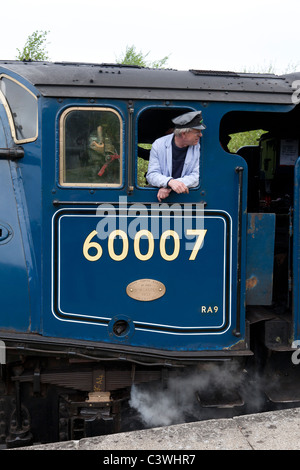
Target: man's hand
178, 186
163, 193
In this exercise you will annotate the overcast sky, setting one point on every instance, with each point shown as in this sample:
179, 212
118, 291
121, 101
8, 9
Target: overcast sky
218, 35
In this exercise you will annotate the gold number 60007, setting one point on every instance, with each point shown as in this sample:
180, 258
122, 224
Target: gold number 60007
88, 244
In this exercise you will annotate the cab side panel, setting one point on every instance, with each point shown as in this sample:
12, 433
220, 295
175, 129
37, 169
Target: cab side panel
15, 305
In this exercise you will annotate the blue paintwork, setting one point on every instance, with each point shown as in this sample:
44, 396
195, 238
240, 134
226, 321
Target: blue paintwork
260, 258
199, 284
100, 286
15, 301
63, 295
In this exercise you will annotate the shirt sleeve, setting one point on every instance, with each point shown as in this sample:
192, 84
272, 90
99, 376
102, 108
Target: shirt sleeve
155, 175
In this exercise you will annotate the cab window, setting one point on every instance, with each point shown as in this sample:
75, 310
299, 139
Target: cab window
152, 124
90, 147
21, 107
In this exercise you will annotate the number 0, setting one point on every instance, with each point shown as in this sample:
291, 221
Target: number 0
111, 249
137, 250
162, 245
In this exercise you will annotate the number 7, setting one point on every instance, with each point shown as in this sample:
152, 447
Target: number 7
200, 233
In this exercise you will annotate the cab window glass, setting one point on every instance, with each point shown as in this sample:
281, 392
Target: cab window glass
22, 110
91, 147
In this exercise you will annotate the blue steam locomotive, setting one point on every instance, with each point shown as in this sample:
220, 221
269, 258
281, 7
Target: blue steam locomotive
104, 287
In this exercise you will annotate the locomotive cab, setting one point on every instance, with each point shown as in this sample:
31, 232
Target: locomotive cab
117, 290
272, 280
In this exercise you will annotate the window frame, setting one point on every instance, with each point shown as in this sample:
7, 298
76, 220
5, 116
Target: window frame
62, 156
9, 112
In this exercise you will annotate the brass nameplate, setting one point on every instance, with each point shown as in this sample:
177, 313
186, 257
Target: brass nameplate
145, 290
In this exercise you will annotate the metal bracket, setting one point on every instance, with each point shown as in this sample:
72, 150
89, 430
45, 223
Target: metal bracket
11, 153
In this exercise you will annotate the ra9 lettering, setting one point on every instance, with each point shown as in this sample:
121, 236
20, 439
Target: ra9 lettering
93, 251
209, 309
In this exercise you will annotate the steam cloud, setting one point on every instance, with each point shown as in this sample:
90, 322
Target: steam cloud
164, 406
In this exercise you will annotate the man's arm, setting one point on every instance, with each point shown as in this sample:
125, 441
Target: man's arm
154, 175
163, 193
178, 186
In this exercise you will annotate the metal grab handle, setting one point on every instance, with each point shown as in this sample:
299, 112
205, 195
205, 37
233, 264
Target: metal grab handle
11, 153
240, 171
130, 156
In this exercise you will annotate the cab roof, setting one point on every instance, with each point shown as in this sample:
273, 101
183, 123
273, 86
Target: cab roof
66, 79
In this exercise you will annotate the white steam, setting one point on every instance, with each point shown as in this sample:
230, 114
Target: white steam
163, 406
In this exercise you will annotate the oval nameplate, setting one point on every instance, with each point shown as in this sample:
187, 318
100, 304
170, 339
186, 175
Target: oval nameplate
145, 290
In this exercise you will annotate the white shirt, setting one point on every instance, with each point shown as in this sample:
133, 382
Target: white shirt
160, 164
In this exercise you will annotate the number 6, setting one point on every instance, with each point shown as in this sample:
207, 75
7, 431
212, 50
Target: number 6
88, 244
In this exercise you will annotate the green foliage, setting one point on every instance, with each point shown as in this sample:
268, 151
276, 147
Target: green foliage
132, 57
244, 138
35, 47
142, 167
272, 68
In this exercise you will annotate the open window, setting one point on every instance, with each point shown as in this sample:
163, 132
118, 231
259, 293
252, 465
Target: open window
152, 124
271, 164
90, 147
271, 161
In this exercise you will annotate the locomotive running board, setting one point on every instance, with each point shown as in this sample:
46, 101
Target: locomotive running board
285, 389
36, 343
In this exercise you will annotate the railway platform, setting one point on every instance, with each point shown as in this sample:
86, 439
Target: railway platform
275, 430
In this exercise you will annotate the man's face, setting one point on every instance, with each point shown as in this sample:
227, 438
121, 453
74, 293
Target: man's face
192, 137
